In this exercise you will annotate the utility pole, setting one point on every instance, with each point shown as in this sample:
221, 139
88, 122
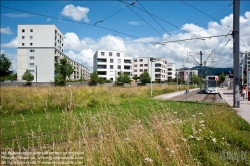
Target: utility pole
36, 73
201, 71
247, 75
236, 45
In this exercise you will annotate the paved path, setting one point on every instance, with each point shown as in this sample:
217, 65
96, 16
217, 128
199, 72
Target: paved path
244, 110
226, 95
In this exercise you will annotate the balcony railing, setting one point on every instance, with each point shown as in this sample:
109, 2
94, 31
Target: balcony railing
127, 61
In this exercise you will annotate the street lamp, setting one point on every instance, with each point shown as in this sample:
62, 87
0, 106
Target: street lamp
152, 60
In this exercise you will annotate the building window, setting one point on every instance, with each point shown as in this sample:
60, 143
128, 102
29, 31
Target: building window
141, 70
145, 65
141, 65
135, 65
23, 37
145, 70
110, 53
119, 67
32, 57
141, 60
32, 64
118, 54
32, 50
102, 53
32, 71
31, 44
31, 30
22, 44
31, 37
111, 61
118, 60
23, 30
135, 60
135, 70
111, 66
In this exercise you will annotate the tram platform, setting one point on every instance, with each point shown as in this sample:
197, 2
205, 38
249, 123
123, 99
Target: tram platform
244, 110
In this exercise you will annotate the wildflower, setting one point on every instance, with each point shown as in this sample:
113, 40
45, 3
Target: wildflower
148, 160
198, 138
202, 125
175, 112
214, 139
191, 136
183, 139
200, 113
172, 151
126, 139
202, 121
193, 115
167, 149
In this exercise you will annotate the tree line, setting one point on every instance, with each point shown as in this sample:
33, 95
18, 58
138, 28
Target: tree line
64, 69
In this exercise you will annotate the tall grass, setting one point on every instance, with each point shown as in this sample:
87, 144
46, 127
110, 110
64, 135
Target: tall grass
19, 99
121, 126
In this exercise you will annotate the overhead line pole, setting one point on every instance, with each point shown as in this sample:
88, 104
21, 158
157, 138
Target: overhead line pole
236, 53
201, 71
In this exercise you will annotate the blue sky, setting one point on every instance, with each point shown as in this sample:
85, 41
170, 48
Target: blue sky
83, 39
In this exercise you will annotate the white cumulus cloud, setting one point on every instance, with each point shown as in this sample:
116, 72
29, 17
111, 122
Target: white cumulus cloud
83, 49
11, 44
6, 30
77, 13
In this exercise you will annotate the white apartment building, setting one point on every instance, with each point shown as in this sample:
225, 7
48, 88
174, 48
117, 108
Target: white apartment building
109, 64
159, 68
39, 48
185, 74
171, 71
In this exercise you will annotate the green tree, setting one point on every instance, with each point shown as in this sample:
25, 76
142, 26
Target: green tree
195, 79
123, 78
63, 69
222, 77
145, 78
28, 77
94, 79
4, 65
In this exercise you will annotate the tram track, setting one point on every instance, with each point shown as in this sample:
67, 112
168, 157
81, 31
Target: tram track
196, 96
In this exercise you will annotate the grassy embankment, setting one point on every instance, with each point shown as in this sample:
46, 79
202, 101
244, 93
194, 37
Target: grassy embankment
122, 126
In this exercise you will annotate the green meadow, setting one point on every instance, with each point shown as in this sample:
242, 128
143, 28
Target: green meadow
120, 126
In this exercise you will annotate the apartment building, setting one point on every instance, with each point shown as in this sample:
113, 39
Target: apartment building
171, 71
185, 74
39, 48
109, 64
159, 68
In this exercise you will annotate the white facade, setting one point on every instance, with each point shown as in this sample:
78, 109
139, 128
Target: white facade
186, 74
39, 48
171, 71
109, 64
159, 68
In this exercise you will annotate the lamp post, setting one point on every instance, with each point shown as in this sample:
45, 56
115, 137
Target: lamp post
152, 60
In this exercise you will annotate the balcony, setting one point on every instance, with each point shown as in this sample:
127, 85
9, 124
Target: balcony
101, 66
102, 60
102, 73
127, 68
157, 70
127, 61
